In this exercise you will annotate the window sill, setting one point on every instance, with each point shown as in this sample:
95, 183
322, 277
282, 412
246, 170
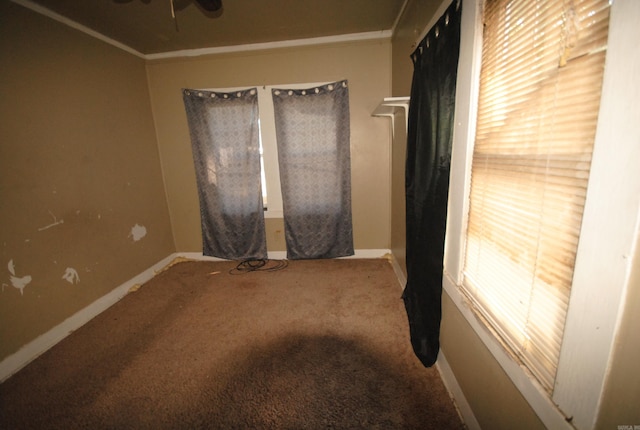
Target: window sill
273, 214
530, 389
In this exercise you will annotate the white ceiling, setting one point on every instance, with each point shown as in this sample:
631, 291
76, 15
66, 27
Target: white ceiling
147, 26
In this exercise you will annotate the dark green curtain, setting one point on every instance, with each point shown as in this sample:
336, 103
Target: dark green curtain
431, 111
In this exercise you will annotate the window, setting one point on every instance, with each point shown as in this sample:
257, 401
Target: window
270, 176
540, 86
263, 177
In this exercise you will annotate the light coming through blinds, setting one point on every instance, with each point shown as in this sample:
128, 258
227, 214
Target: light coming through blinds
540, 85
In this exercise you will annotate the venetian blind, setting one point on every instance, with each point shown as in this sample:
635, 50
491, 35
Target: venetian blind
540, 85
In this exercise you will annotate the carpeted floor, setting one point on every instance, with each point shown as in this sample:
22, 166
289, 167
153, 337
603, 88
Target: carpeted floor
317, 345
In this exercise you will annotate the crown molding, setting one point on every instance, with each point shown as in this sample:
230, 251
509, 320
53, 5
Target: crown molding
353, 37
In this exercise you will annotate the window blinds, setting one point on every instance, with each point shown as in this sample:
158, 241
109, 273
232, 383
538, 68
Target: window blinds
540, 85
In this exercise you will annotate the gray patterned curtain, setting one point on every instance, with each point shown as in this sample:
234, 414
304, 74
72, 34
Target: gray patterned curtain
225, 142
313, 137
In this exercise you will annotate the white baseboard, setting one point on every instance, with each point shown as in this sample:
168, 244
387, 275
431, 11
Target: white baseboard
282, 255
370, 253
198, 256
402, 279
456, 394
42, 343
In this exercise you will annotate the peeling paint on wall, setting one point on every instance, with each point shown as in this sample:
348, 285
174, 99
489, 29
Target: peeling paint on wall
71, 275
138, 232
17, 282
174, 262
53, 224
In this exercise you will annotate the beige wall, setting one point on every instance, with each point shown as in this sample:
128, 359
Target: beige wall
398, 207
78, 169
367, 67
415, 19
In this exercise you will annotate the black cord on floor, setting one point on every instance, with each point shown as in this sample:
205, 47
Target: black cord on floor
255, 265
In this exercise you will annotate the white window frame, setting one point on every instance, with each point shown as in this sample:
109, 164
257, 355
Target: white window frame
603, 260
268, 140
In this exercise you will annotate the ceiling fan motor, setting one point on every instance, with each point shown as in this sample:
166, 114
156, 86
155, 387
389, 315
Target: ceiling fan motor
210, 5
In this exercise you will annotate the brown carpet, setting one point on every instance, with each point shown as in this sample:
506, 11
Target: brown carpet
317, 345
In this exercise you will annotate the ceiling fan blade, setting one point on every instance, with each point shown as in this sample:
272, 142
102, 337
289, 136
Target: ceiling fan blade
210, 5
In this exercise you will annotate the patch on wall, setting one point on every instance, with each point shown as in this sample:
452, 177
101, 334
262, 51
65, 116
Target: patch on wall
71, 275
138, 232
17, 282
